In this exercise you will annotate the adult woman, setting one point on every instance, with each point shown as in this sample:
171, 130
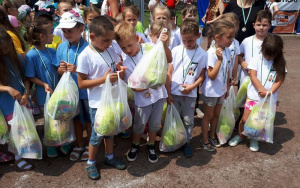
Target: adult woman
246, 11
111, 8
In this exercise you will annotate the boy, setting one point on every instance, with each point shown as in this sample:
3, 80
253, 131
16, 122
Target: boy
95, 63
187, 72
148, 102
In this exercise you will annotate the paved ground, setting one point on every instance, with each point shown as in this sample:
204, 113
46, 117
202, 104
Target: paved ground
275, 165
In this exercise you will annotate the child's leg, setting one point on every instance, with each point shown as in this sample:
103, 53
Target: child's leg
155, 119
141, 118
243, 121
214, 120
78, 133
208, 114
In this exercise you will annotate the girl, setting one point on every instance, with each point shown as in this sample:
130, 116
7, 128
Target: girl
269, 63
216, 84
89, 14
12, 85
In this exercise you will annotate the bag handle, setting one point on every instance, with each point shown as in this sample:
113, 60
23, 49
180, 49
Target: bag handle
162, 31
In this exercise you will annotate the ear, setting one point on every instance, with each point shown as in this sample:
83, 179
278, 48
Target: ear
92, 36
58, 13
217, 37
137, 38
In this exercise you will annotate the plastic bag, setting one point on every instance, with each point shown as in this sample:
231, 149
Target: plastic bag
174, 134
24, 140
3, 129
63, 104
226, 120
151, 71
57, 132
113, 114
260, 123
242, 93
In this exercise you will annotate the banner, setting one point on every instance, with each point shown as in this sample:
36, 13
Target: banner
285, 22
289, 5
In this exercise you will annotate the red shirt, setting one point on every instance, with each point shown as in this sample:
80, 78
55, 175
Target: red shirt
171, 4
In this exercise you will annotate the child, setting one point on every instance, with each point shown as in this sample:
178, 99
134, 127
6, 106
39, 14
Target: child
130, 15
175, 41
187, 72
95, 63
72, 26
148, 102
11, 7
267, 73
216, 84
89, 14
13, 86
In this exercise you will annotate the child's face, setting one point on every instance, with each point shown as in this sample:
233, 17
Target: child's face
90, 17
190, 40
13, 11
190, 15
73, 35
226, 39
48, 37
129, 46
261, 27
161, 15
63, 7
154, 38
131, 18
102, 42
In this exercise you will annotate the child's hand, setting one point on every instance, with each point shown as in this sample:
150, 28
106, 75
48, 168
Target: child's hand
62, 66
47, 88
164, 38
113, 77
14, 93
24, 100
71, 68
226, 95
232, 83
170, 99
219, 53
244, 65
121, 61
187, 89
263, 93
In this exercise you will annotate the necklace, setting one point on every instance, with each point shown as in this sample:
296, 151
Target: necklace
245, 19
112, 62
185, 71
75, 53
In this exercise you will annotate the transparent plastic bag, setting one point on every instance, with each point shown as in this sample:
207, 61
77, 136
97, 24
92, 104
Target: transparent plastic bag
57, 132
242, 93
174, 134
3, 129
260, 123
24, 140
113, 114
63, 104
226, 120
151, 71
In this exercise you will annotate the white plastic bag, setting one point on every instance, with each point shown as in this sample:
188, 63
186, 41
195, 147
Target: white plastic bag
24, 140
174, 134
57, 132
63, 104
260, 123
113, 114
3, 129
151, 71
242, 93
226, 120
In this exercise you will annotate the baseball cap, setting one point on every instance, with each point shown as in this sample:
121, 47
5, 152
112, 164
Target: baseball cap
70, 19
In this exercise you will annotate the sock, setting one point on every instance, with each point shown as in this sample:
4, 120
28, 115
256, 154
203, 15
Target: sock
150, 143
91, 162
109, 156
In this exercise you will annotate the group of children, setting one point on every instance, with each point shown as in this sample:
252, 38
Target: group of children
97, 46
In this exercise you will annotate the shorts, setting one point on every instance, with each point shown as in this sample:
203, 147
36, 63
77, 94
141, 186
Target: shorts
212, 101
249, 104
95, 138
84, 115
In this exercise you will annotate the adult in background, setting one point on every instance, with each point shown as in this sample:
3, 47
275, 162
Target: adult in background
111, 8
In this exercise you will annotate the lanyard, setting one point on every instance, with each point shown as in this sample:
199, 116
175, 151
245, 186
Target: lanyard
19, 80
233, 50
132, 57
53, 81
246, 19
224, 71
191, 62
75, 53
262, 62
112, 62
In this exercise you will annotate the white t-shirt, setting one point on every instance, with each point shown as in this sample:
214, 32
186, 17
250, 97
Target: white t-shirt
93, 65
152, 2
217, 87
199, 40
235, 51
174, 41
249, 47
264, 75
271, 6
193, 62
116, 47
60, 33
140, 97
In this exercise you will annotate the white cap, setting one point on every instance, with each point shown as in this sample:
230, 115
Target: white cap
70, 19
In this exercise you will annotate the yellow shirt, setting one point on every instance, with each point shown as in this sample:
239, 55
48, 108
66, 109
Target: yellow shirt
16, 41
55, 43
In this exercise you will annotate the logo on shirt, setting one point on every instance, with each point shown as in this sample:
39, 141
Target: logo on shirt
191, 72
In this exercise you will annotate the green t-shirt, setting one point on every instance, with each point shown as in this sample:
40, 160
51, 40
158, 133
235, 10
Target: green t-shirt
139, 27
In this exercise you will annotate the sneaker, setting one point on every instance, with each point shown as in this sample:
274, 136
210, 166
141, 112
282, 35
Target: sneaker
36, 110
199, 113
66, 149
214, 141
187, 150
235, 140
115, 162
254, 145
92, 171
132, 154
52, 152
124, 134
207, 146
152, 157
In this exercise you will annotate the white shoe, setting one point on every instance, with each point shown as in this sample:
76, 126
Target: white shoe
254, 145
235, 140
200, 114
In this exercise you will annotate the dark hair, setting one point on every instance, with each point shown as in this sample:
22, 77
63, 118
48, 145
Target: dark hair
9, 4
34, 29
100, 25
12, 55
4, 22
272, 46
90, 9
173, 13
219, 27
111, 19
134, 9
189, 9
189, 26
263, 14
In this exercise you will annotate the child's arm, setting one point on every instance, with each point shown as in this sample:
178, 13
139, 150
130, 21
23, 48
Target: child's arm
213, 72
242, 62
62, 68
15, 94
234, 71
275, 11
164, 38
276, 85
257, 84
168, 83
189, 88
39, 82
228, 84
24, 100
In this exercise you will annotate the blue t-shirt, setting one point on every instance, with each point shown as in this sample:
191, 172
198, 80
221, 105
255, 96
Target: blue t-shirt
36, 68
62, 54
14, 78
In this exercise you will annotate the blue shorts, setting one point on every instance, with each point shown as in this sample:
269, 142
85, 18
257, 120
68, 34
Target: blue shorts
95, 139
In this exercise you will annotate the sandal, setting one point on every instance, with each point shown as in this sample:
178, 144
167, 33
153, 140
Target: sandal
5, 158
23, 165
85, 154
207, 146
76, 153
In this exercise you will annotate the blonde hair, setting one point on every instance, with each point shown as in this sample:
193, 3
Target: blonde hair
124, 31
230, 16
133, 9
189, 26
163, 8
157, 26
219, 27
192, 9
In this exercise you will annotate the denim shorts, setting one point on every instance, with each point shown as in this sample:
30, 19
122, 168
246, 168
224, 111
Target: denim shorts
212, 101
96, 139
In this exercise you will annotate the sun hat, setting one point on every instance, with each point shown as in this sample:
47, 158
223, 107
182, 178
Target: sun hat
70, 19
